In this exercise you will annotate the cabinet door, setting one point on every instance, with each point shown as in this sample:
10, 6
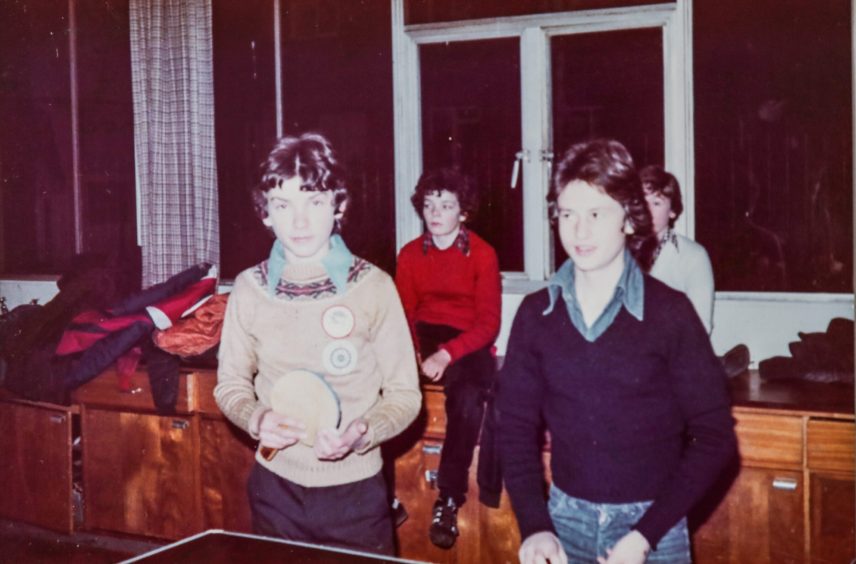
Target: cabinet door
140, 474
760, 520
226, 455
35, 466
832, 516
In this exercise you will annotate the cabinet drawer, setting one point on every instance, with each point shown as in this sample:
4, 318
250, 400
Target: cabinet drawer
830, 445
770, 439
104, 391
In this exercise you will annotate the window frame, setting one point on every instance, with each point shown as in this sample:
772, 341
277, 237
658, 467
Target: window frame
534, 33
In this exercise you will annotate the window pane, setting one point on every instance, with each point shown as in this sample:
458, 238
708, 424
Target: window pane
471, 121
609, 85
36, 204
430, 11
245, 124
337, 80
773, 144
106, 124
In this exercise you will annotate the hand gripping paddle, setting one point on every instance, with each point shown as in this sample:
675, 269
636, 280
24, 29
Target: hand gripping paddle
306, 396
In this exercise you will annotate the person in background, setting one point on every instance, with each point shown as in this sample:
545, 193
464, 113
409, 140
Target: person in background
679, 262
619, 370
450, 287
313, 306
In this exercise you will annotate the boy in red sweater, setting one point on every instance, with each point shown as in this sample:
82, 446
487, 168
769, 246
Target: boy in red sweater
450, 287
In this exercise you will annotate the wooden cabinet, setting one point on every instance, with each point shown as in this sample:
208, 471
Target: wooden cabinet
759, 521
141, 473
157, 475
793, 498
226, 456
36, 464
832, 495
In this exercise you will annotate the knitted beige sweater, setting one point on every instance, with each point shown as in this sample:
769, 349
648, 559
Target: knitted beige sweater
364, 352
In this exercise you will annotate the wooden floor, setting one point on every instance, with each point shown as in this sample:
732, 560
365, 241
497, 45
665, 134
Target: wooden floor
21, 543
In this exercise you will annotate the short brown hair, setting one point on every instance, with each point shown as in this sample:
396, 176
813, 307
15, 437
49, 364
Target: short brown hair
655, 180
440, 179
311, 157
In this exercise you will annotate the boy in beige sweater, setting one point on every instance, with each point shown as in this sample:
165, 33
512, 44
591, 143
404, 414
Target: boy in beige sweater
314, 306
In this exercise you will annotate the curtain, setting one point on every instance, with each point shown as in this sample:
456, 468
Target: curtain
173, 87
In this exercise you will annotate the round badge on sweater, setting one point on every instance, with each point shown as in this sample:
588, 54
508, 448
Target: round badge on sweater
338, 321
340, 357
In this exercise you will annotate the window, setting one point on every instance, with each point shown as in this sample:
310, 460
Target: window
432, 11
774, 176
501, 99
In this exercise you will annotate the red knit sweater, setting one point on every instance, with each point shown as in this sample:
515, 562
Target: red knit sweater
447, 287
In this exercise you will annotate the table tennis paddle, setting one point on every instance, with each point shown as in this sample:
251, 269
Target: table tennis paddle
306, 396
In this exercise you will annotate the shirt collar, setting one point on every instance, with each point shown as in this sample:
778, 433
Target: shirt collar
462, 241
630, 288
337, 263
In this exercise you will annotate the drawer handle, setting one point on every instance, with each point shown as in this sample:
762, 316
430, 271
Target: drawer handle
431, 478
180, 424
788, 484
431, 449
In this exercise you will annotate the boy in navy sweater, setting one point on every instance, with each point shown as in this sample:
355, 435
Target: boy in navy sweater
619, 369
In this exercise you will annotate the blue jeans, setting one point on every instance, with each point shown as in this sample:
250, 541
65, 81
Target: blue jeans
587, 529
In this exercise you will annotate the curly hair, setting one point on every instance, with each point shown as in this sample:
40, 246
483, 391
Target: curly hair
437, 180
655, 180
311, 157
607, 165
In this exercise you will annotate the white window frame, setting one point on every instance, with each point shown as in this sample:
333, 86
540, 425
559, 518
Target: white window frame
535, 32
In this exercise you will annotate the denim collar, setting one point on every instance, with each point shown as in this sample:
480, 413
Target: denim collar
337, 262
630, 290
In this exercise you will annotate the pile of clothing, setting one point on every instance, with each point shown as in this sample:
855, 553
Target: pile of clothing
48, 351
817, 357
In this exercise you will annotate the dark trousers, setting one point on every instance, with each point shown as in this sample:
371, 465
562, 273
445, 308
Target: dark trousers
354, 515
466, 384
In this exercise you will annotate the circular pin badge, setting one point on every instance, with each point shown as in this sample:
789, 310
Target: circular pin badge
338, 321
340, 357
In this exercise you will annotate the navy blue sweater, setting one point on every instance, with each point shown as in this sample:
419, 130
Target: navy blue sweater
618, 410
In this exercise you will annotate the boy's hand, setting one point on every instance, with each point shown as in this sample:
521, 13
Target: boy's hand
330, 445
541, 548
632, 548
278, 431
434, 366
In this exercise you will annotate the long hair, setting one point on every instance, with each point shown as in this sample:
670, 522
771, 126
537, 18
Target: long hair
607, 165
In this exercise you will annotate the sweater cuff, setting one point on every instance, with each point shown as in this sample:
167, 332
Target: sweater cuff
255, 421
453, 351
651, 531
369, 438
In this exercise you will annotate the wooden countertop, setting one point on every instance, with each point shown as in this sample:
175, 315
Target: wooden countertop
750, 392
